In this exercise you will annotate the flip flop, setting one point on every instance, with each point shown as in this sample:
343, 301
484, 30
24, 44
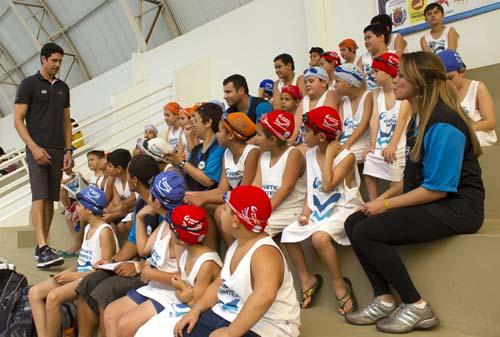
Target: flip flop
349, 295
309, 293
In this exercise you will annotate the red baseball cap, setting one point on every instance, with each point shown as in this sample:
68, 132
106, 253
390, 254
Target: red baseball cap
324, 119
251, 205
388, 63
280, 123
332, 57
293, 91
189, 223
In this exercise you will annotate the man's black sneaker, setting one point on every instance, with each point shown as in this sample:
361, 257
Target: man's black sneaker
48, 258
37, 253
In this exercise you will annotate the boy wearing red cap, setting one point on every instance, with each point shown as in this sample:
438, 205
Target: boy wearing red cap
282, 175
254, 295
385, 158
348, 49
284, 67
329, 61
199, 266
290, 101
332, 195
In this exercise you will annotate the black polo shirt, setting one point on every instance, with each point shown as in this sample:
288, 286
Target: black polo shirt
46, 103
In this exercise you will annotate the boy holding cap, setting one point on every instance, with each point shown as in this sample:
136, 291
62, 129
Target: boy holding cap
332, 195
284, 67
348, 49
376, 40
475, 98
254, 294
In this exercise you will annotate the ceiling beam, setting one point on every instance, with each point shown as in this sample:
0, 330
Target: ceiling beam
170, 20
134, 25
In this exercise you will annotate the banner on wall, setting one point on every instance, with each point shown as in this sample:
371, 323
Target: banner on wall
408, 15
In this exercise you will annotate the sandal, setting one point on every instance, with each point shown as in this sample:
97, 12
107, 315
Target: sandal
309, 293
66, 254
349, 295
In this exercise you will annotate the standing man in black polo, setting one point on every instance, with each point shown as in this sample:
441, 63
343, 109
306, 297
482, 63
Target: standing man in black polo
42, 101
237, 97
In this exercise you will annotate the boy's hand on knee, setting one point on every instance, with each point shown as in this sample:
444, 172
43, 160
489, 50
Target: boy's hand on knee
189, 321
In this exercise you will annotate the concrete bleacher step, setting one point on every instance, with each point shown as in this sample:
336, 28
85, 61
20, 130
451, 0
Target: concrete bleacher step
490, 161
458, 276
17, 237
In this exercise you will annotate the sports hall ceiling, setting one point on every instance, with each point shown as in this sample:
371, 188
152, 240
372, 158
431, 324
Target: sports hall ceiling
97, 35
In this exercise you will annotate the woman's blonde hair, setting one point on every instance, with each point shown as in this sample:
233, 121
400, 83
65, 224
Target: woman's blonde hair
426, 72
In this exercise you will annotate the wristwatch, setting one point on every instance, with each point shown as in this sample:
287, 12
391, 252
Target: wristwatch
68, 150
181, 164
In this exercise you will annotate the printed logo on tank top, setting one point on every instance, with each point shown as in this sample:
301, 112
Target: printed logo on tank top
234, 177
371, 83
155, 258
437, 46
270, 189
323, 207
229, 300
84, 262
349, 126
386, 129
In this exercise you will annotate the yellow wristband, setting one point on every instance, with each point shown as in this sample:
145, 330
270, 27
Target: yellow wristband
387, 205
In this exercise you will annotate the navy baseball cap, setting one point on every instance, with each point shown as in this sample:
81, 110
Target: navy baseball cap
451, 60
168, 188
267, 85
93, 199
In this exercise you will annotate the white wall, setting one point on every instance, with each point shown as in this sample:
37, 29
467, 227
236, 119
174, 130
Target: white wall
246, 40
479, 43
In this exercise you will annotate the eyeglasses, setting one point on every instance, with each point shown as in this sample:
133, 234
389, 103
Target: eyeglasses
379, 59
353, 74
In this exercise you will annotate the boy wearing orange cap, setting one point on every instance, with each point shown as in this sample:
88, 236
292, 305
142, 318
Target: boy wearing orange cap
254, 294
239, 164
385, 158
173, 135
332, 195
348, 49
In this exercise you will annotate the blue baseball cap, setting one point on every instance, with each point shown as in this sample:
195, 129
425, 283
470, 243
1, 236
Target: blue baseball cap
168, 188
267, 85
451, 60
93, 199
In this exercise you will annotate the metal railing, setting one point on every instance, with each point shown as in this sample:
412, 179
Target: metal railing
97, 137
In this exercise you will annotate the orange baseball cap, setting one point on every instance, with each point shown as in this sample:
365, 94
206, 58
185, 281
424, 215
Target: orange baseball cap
348, 43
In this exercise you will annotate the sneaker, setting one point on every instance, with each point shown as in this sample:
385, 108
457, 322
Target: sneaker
37, 253
48, 258
372, 313
408, 317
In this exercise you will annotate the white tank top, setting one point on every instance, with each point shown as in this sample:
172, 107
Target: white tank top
439, 44
272, 178
234, 171
281, 83
123, 192
486, 138
323, 204
173, 136
160, 255
351, 123
282, 319
387, 124
306, 100
91, 252
368, 77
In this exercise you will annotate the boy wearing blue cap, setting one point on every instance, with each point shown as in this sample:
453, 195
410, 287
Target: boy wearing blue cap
167, 192
474, 96
266, 89
99, 243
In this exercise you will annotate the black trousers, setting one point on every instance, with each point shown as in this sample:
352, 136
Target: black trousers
373, 238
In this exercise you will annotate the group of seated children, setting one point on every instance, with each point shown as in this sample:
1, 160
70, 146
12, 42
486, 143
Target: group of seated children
285, 167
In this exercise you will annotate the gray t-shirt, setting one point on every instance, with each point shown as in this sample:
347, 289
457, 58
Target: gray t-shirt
46, 103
